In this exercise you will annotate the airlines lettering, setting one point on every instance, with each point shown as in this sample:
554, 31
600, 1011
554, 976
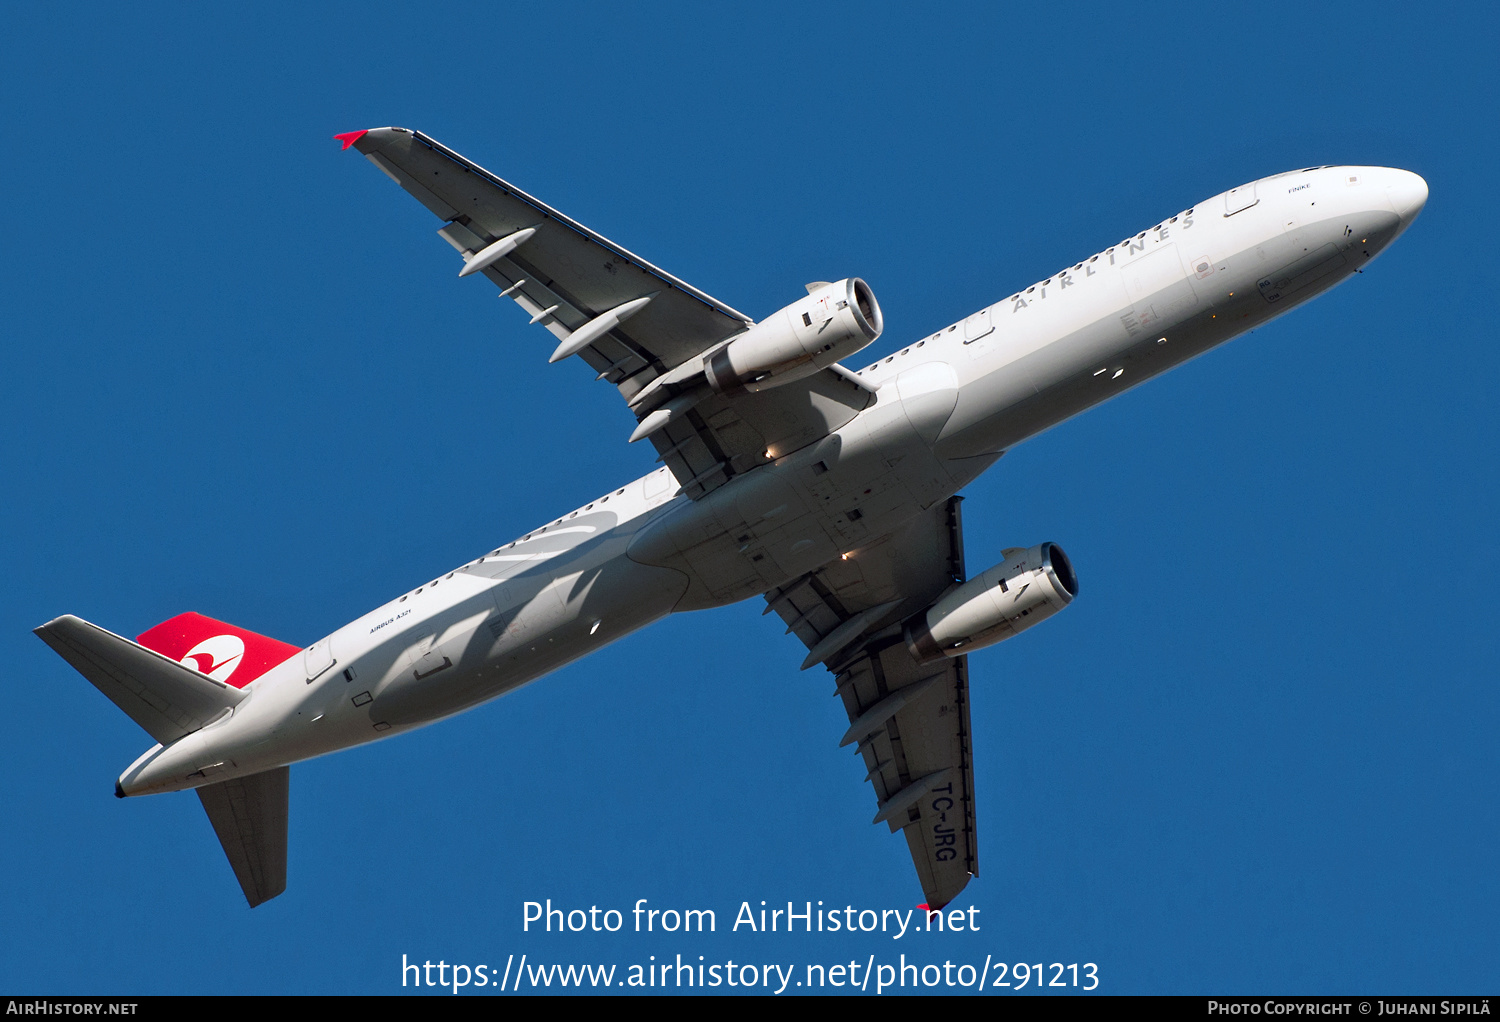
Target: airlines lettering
1130, 246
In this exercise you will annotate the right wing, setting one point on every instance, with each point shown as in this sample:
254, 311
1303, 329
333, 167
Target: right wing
571, 279
909, 722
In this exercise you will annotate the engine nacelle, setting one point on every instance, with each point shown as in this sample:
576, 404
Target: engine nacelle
833, 322
1028, 587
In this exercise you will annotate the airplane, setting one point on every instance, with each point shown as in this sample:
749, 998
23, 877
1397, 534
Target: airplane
831, 493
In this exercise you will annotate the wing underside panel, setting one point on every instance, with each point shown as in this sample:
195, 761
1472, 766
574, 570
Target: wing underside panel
920, 760
908, 722
563, 264
564, 277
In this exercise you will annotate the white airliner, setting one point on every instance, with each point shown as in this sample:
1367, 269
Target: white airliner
828, 491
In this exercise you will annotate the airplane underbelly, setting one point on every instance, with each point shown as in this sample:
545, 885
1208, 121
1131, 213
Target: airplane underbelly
535, 629
825, 500
1170, 312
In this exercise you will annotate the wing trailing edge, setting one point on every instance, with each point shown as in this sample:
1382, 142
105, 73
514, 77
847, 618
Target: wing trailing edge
908, 721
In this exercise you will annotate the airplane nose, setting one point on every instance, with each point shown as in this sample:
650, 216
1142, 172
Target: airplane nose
1408, 194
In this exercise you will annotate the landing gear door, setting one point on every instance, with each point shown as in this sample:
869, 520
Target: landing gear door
1241, 198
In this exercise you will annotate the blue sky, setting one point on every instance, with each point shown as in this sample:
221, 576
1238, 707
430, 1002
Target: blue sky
1257, 754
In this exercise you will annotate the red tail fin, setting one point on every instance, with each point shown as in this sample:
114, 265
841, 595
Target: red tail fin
235, 656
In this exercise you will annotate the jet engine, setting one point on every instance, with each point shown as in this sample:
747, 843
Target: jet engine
1027, 587
833, 322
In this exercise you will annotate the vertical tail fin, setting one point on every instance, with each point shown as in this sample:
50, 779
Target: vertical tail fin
180, 676
224, 652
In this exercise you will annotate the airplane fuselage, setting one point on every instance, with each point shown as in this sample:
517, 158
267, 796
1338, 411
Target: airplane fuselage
946, 407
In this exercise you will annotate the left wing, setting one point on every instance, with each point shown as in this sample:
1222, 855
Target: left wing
632, 322
909, 722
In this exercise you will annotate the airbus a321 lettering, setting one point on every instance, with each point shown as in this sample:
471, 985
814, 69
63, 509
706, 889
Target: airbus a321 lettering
826, 491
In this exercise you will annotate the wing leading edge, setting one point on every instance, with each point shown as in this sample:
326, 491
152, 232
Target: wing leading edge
908, 722
630, 321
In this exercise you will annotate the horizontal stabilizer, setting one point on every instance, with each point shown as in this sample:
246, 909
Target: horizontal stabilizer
166, 698
249, 815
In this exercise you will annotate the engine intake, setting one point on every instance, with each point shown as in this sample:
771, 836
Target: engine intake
833, 322
1028, 587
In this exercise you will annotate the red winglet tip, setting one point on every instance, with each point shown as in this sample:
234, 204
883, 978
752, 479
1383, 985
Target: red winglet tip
351, 137
924, 907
